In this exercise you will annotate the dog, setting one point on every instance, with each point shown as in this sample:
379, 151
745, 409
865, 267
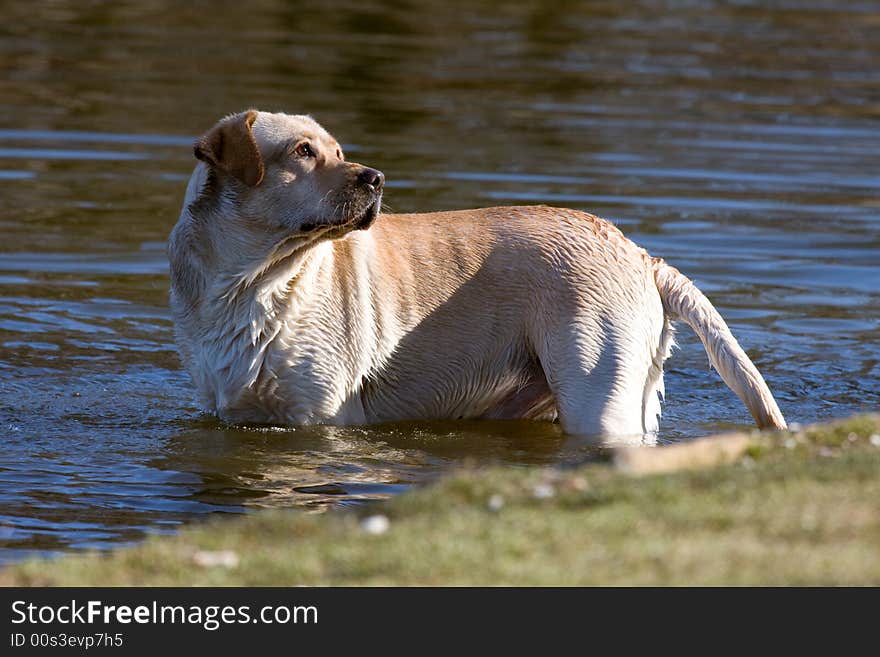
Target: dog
297, 302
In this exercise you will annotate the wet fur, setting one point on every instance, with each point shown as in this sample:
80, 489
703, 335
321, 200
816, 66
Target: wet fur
290, 311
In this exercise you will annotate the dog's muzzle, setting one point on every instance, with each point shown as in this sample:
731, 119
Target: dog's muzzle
371, 181
366, 220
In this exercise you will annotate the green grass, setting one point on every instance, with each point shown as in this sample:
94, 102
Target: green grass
791, 509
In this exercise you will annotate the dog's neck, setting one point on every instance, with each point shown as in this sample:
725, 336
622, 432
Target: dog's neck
270, 265
233, 290
245, 312
265, 287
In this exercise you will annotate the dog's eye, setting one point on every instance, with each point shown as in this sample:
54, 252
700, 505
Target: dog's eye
304, 150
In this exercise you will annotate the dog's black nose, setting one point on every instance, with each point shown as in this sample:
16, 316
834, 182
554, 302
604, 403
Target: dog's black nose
372, 177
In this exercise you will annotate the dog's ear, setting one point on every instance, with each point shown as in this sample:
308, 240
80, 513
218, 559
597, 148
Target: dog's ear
230, 146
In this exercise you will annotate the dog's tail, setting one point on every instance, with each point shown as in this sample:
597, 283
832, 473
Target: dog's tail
682, 300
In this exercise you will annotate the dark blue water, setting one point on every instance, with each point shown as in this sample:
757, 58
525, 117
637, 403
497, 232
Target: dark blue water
738, 140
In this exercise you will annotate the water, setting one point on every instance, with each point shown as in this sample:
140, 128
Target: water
738, 140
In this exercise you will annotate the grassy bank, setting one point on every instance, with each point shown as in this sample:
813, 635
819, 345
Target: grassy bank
791, 508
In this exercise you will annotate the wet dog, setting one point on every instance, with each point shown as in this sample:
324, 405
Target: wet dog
296, 301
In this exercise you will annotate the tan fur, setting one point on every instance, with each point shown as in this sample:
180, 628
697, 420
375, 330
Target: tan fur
231, 147
296, 302
682, 300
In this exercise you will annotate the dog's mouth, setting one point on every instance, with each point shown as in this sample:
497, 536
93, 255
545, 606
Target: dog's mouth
369, 215
360, 221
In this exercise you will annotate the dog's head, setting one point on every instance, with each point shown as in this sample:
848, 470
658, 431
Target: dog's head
290, 173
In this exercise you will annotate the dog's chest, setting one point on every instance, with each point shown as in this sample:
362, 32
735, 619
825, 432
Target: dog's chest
278, 358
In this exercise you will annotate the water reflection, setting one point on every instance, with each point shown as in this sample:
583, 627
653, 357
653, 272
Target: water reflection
316, 465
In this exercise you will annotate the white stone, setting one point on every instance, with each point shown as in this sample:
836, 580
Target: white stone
214, 559
543, 491
375, 525
496, 503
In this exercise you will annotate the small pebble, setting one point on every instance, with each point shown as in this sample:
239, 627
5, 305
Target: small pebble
875, 439
826, 451
794, 426
579, 484
496, 503
790, 443
543, 491
852, 437
375, 524
213, 559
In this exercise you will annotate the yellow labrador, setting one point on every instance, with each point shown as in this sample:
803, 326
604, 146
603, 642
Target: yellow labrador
295, 301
